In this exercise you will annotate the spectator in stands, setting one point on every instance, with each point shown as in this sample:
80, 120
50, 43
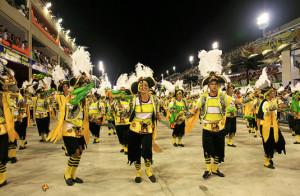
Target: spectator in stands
24, 45
5, 34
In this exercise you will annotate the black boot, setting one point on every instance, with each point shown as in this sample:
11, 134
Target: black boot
152, 178
138, 179
13, 160
69, 181
206, 174
218, 173
78, 180
3, 183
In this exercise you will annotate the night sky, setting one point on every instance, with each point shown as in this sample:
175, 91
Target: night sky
164, 33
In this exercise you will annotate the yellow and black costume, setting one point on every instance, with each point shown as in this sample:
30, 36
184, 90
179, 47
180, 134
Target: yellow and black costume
21, 113
96, 116
213, 115
73, 127
7, 131
272, 138
230, 124
121, 107
41, 113
142, 130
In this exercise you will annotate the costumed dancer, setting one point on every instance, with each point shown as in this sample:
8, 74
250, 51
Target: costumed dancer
7, 132
295, 112
249, 110
230, 125
109, 115
96, 115
212, 106
143, 123
41, 111
72, 123
121, 109
22, 120
178, 110
271, 135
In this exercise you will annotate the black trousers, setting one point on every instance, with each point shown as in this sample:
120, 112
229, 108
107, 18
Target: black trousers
214, 144
122, 132
4, 148
139, 145
297, 126
73, 143
252, 123
95, 129
43, 125
230, 125
20, 127
291, 122
178, 130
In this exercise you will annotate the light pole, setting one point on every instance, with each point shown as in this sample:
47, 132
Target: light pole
215, 45
101, 67
262, 22
162, 76
167, 72
191, 59
174, 68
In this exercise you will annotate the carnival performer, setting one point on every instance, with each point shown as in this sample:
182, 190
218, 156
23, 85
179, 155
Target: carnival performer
212, 107
121, 107
230, 125
143, 123
8, 84
271, 135
72, 123
178, 109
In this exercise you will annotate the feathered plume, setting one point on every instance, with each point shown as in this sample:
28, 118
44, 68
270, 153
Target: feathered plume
132, 78
58, 74
26, 84
47, 81
81, 61
296, 87
122, 81
263, 80
280, 89
179, 84
143, 71
210, 61
170, 88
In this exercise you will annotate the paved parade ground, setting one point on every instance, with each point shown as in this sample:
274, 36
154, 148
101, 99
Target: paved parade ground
179, 170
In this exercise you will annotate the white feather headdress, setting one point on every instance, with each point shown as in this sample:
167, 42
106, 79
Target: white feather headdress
122, 81
143, 71
58, 75
81, 61
170, 88
210, 61
263, 80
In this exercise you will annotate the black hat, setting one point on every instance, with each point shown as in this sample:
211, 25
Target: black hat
213, 76
61, 84
135, 86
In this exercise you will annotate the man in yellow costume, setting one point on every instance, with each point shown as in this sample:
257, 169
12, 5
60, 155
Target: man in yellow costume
96, 115
121, 107
7, 131
272, 138
72, 124
230, 125
142, 128
212, 106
